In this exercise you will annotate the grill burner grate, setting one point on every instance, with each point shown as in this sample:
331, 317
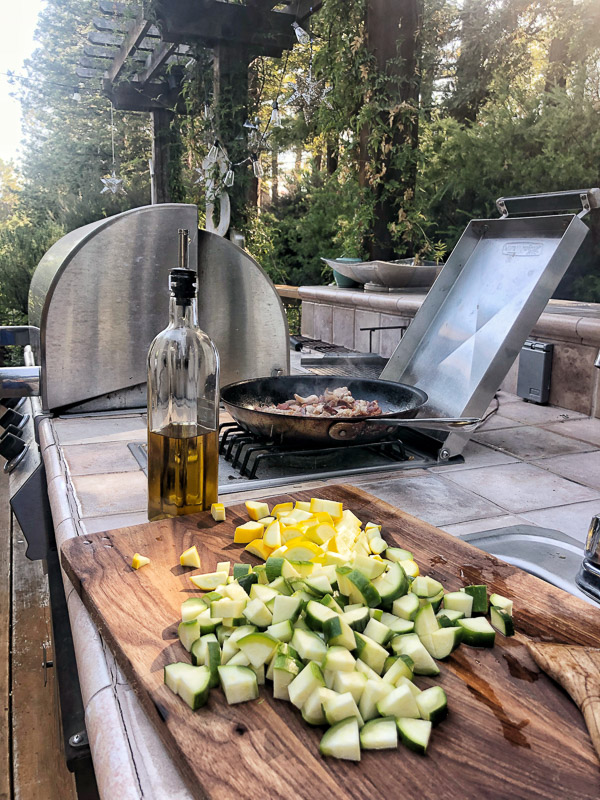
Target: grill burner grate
246, 452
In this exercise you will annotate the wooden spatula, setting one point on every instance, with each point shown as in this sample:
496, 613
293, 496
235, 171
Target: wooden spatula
577, 669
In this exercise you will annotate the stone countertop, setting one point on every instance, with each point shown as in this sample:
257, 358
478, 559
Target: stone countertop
579, 322
533, 464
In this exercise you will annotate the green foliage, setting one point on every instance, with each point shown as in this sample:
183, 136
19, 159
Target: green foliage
21, 248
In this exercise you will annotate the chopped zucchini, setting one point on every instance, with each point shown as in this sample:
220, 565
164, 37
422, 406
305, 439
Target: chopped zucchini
370, 652
414, 733
501, 602
193, 686
342, 741
400, 702
406, 607
304, 684
442, 642
259, 647
358, 618
392, 584
502, 621
477, 632
379, 734
240, 684
375, 689
338, 632
338, 659
312, 710
341, 707
191, 607
353, 682
188, 632
459, 601
479, 594
378, 632
309, 646
433, 704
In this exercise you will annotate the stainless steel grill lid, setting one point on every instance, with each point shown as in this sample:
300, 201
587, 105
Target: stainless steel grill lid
482, 307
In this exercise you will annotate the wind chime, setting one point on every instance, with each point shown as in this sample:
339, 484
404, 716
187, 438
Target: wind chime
114, 184
217, 170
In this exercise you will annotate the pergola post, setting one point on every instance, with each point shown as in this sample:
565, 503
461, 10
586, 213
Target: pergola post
161, 147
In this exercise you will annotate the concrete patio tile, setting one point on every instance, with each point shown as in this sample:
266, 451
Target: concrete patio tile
488, 524
99, 495
580, 467
573, 519
530, 442
521, 487
533, 414
433, 499
497, 421
86, 430
586, 429
478, 455
96, 459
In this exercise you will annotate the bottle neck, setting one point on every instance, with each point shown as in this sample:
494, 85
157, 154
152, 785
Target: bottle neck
183, 316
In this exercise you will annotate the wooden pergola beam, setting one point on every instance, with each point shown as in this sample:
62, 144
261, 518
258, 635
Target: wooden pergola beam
137, 31
213, 23
130, 96
155, 61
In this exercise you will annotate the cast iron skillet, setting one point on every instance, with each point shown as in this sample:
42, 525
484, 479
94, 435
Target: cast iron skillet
397, 401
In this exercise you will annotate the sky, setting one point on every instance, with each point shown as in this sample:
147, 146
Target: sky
20, 19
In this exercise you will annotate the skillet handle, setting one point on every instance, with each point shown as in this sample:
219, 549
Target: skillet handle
348, 429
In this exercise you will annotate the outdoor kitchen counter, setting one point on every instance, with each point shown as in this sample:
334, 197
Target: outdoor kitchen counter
344, 316
95, 484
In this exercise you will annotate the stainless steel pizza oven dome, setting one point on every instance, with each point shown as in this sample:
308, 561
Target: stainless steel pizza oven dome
99, 296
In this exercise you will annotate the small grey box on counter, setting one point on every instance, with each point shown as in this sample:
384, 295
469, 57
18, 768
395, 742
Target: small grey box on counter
535, 371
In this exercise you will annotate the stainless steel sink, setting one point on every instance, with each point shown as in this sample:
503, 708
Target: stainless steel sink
548, 554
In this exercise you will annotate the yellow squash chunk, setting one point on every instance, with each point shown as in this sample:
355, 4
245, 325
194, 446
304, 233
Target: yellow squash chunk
290, 533
279, 552
370, 525
282, 508
258, 548
320, 533
303, 505
302, 550
297, 515
248, 532
190, 558
350, 518
331, 506
411, 568
223, 566
323, 516
209, 581
217, 511
139, 561
257, 509
266, 521
330, 558
272, 537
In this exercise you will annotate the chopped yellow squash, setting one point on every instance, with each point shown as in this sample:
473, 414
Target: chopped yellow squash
257, 509
258, 548
272, 537
217, 511
282, 508
319, 533
223, 566
248, 532
139, 561
190, 557
411, 568
331, 506
302, 550
209, 581
303, 505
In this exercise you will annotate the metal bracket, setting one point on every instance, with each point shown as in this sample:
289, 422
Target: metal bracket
79, 739
46, 664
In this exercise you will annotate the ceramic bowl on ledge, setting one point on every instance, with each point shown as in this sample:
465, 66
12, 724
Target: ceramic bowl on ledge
400, 274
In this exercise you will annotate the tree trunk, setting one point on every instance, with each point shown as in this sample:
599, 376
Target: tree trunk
332, 157
393, 37
274, 176
472, 77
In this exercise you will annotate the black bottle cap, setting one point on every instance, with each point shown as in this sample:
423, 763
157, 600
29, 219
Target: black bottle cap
182, 284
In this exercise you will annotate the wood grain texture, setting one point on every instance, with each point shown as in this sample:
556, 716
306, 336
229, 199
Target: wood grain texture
577, 669
511, 731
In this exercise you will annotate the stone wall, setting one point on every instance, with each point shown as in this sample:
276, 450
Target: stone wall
337, 316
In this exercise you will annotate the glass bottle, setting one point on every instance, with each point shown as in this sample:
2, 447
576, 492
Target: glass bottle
183, 405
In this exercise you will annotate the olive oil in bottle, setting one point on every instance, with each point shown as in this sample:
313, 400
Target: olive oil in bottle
183, 403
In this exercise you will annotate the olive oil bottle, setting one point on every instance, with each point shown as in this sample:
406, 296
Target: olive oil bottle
183, 405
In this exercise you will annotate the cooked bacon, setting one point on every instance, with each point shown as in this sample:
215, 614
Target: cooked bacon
336, 403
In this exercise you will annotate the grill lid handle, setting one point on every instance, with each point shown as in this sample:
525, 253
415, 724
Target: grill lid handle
550, 203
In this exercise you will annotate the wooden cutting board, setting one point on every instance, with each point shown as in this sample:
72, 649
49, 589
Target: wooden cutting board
511, 731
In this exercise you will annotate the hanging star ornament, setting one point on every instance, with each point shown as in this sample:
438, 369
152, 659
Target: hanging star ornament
113, 184
308, 94
201, 176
